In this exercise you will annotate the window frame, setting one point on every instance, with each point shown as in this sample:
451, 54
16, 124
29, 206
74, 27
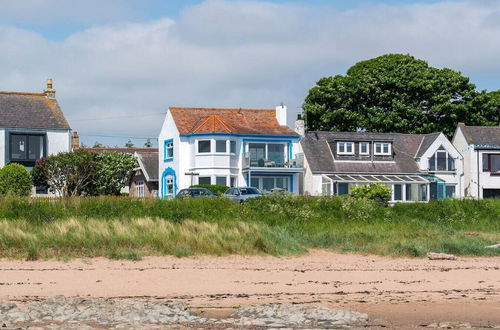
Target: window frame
221, 177
204, 152
345, 144
367, 148
203, 177
434, 159
140, 188
488, 169
232, 143
166, 147
218, 142
382, 153
26, 161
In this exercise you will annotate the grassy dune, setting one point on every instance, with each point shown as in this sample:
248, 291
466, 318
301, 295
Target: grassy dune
132, 228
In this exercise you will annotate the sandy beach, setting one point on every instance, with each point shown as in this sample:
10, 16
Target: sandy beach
392, 291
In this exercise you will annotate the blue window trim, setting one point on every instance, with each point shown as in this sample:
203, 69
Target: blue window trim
168, 171
165, 158
244, 135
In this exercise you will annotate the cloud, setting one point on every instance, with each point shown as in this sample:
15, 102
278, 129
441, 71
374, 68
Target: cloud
236, 54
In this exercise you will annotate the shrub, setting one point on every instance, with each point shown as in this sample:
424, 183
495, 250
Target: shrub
374, 191
15, 180
217, 189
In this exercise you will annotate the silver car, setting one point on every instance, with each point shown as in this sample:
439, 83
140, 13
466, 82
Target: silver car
241, 194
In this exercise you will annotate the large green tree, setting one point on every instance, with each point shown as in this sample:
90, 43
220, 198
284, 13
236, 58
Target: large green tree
397, 93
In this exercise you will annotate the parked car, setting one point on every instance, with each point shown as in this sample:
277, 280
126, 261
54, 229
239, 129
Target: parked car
195, 193
241, 194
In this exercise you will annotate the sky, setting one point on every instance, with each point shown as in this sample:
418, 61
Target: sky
118, 64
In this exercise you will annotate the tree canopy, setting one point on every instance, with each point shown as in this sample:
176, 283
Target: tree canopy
397, 93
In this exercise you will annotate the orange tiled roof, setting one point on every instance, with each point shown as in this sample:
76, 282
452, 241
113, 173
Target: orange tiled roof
239, 121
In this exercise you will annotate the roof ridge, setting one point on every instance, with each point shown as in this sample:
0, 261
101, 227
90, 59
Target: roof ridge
22, 93
221, 109
214, 118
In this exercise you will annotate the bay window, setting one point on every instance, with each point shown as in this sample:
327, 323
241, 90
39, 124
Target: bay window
441, 161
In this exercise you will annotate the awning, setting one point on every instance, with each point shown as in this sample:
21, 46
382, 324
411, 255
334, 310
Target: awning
386, 178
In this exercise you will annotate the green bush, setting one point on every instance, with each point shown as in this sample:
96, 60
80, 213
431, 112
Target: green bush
217, 189
374, 191
15, 180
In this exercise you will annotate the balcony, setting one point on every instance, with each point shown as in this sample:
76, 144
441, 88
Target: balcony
258, 161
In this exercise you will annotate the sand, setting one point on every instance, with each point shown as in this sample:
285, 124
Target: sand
393, 291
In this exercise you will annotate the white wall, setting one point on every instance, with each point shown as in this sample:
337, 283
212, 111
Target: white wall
58, 141
456, 177
169, 131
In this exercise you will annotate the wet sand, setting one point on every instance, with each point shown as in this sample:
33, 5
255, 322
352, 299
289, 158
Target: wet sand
392, 291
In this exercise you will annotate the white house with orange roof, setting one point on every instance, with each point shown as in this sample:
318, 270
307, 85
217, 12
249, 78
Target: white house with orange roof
232, 147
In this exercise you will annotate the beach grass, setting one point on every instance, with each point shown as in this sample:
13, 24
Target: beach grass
127, 228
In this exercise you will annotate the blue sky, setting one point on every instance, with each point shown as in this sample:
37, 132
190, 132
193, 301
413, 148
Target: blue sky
118, 64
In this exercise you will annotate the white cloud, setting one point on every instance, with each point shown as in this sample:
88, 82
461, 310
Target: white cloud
237, 54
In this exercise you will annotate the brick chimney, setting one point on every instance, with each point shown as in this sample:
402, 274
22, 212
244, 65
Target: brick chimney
75, 141
50, 92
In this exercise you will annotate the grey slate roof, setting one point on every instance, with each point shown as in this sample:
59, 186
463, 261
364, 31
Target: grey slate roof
149, 161
30, 110
406, 147
481, 135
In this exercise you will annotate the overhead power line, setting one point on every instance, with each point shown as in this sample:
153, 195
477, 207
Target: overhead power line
120, 117
119, 136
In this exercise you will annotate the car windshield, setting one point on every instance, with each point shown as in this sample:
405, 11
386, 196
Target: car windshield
201, 192
250, 191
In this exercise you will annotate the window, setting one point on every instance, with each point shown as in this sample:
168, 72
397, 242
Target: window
408, 192
220, 180
276, 154
270, 182
382, 148
169, 150
169, 185
27, 148
343, 188
204, 146
491, 163
398, 192
232, 147
254, 182
363, 148
450, 191
441, 161
139, 188
345, 148
220, 146
204, 180
233, 182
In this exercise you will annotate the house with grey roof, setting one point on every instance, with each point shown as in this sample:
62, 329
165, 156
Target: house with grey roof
32, 126
144, 180
417, 167
480, 147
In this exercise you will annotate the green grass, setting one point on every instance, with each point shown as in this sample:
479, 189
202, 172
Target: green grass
125, 228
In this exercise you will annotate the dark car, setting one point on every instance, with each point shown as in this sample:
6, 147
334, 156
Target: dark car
195, 193
241, 194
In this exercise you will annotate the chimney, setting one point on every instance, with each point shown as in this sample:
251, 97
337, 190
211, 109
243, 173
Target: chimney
50, 92
281, 114
300, 125
75, 141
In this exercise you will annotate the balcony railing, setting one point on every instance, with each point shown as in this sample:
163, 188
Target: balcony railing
255, 162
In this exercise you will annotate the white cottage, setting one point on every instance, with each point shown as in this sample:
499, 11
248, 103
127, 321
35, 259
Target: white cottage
480, 147
417, 167
232, 147
31, 126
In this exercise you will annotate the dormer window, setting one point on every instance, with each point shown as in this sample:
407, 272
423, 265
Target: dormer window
345, 148
383, 149
441, 161
364, 148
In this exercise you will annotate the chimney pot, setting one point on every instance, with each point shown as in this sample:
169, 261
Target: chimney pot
50, 92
